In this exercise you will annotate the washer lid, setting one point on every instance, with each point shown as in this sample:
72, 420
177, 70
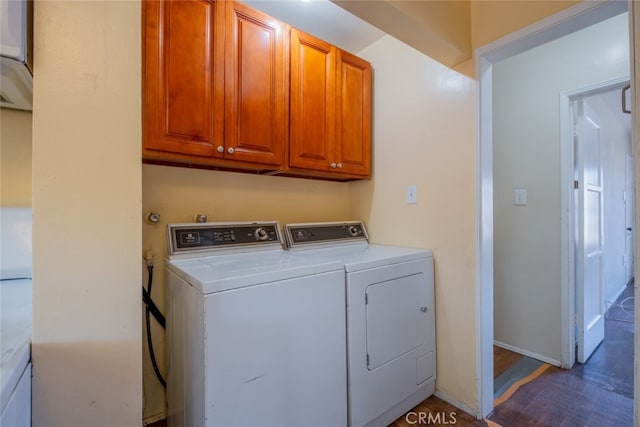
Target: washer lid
356, 258
218, 273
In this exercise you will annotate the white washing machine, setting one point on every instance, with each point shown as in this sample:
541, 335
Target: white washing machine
256, 334
390, 318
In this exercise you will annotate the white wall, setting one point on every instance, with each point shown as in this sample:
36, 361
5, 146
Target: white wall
527, 156
424, 134
87, 251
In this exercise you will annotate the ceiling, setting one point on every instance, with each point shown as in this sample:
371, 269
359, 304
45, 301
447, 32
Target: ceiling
439, 29
322, 19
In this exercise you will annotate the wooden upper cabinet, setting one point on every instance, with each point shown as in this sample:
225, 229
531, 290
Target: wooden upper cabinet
255, 86
353, 115
330, 117
312, 99
214, 84
227, 86
183, 77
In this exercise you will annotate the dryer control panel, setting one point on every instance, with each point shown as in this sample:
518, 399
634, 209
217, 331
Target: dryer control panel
325, 233
192, 237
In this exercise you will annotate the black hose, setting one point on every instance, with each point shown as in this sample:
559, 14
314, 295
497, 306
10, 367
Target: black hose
155, 311
148, 302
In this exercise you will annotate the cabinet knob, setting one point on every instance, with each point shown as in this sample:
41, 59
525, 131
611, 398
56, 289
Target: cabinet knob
230, 150
333, 165
339, 165
220, 149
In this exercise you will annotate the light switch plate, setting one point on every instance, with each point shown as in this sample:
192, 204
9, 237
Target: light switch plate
520, 197
412, 196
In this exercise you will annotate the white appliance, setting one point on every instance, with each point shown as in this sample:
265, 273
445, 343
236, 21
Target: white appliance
256, 334
16, 81
15, 317
390, 318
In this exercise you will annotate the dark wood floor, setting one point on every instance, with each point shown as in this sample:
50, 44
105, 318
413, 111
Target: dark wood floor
596, 394
503, 359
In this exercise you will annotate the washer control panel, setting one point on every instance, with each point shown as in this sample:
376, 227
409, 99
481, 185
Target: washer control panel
191, 237
325, 232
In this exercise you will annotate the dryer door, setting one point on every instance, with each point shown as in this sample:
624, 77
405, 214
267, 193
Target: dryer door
396, 321
391, 333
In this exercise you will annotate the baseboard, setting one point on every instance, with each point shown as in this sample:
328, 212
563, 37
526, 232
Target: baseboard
527, 353
608, 303
462, 406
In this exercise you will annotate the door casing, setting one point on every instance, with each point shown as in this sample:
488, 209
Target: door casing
569, 20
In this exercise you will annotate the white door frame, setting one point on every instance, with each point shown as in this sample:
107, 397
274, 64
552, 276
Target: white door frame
634, 47
567, 217
565, 22
629, 201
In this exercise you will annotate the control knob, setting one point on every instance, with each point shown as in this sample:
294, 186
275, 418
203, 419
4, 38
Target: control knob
261, 234
353, 230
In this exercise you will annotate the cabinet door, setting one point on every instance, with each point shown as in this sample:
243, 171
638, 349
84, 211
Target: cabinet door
312, 103
353, 115
183, 76
255, 95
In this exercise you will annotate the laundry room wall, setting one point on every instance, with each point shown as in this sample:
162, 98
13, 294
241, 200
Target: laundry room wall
87, 232
424, 135
15, 157
527, 156
177, 194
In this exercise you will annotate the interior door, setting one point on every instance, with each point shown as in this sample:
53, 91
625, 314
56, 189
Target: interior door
628, 218
589, 301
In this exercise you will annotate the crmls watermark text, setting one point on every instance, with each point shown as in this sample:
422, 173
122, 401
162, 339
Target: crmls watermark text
426, 418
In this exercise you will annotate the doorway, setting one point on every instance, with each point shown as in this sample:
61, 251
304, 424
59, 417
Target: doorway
580, 16
600, 138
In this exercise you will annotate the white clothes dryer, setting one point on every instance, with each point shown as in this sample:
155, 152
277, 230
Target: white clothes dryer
390, 318
255, 334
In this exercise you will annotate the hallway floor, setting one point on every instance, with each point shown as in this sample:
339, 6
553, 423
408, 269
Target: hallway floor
597, 393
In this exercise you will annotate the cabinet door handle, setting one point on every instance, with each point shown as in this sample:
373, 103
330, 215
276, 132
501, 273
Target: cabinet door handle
339, 165
333, 165
220, 149
230, 150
